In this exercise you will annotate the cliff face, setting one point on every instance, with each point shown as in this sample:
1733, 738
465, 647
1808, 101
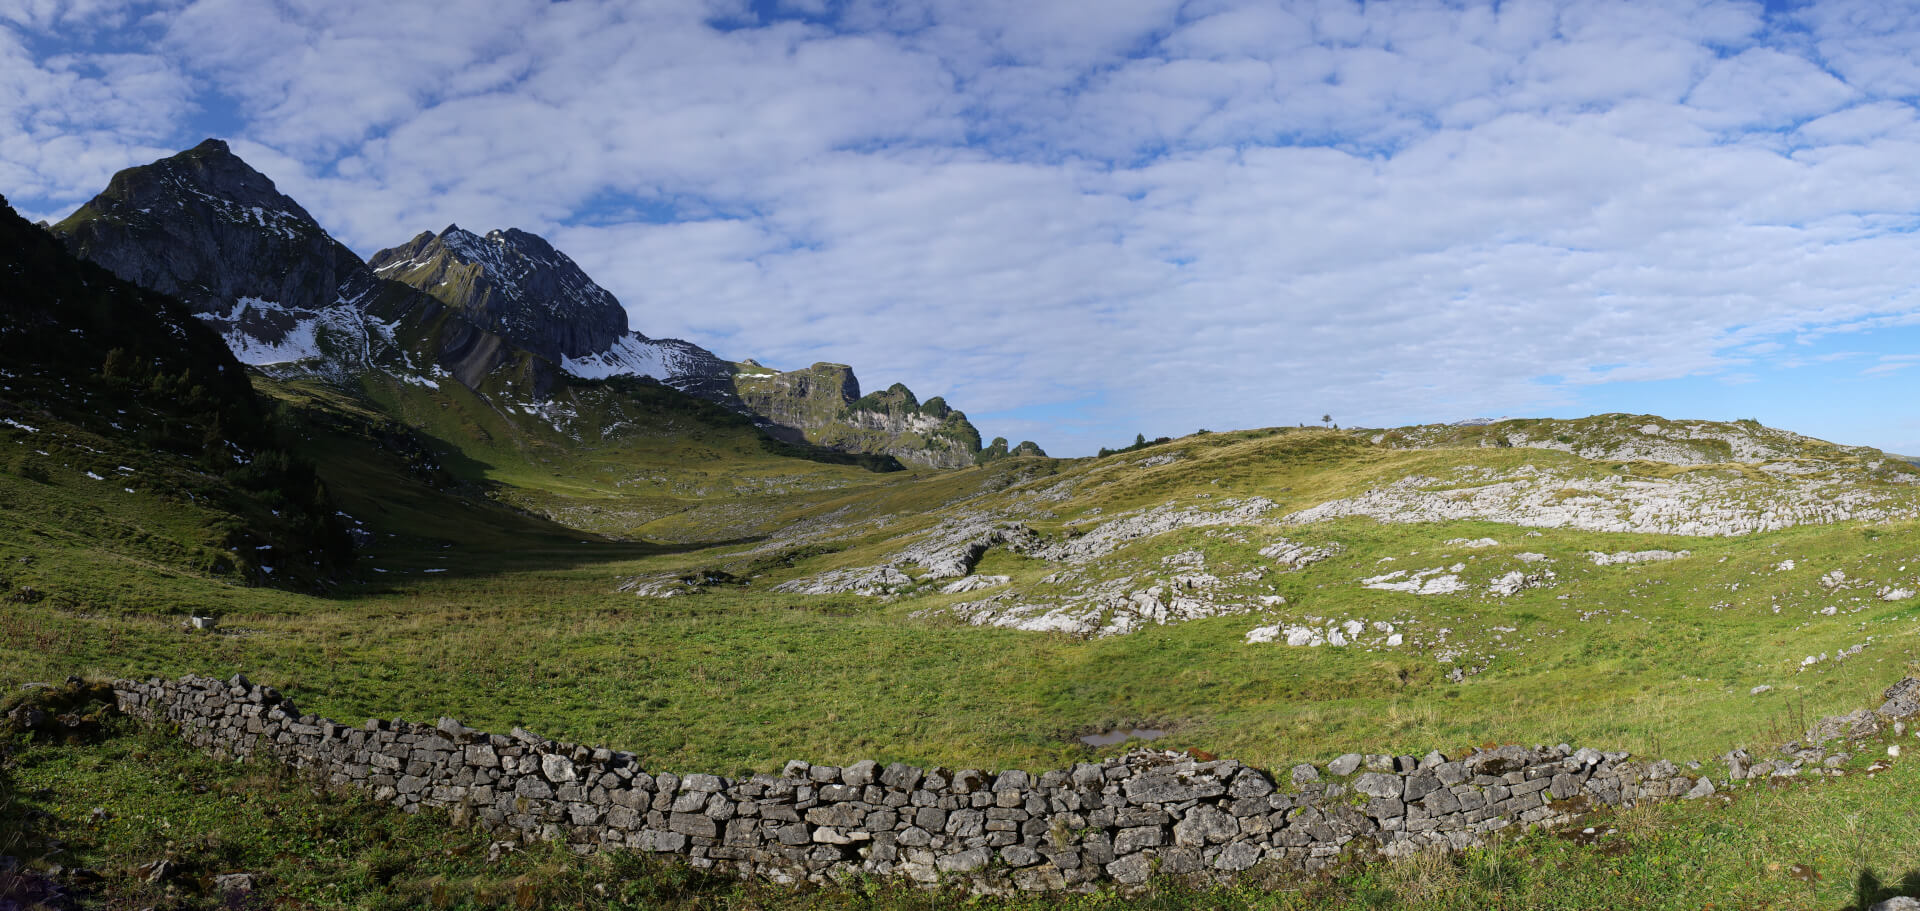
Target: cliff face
518, 286
208, 229
798, 401
822, 404
205, 227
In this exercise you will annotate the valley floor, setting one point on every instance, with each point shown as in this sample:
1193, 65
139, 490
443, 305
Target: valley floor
1453, 632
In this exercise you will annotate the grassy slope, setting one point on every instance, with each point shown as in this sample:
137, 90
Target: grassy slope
523, 625
621, 458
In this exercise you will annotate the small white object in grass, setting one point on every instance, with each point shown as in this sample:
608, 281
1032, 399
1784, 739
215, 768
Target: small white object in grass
1894, 751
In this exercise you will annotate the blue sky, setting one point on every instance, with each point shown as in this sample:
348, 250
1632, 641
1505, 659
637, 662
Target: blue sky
1166, 216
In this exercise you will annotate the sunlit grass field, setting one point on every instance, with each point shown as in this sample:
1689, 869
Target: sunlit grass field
489, 590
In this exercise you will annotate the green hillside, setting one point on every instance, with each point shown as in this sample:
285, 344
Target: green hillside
130, 432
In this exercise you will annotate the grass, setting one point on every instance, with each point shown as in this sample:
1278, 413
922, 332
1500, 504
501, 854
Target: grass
487, 587
745, 679
499, 617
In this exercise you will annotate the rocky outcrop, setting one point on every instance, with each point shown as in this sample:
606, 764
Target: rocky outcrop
797, 401
1121, 820
1112, 535
1633, 437
822, 405
997, 450
1692, 503
951, 550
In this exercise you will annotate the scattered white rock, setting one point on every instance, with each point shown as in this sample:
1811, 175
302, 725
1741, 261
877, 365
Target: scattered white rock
1693, 503
1473, 543
870, 581
973, 584
1516, 582
1784, 566
1627, 557
1294, 555
1334, 634
1110, 536
1435, 581
1762, 688
951, 549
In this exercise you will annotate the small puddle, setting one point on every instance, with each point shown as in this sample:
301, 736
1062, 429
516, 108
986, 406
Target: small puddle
1120, 735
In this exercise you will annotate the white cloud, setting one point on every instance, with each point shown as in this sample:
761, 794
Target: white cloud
1212, 213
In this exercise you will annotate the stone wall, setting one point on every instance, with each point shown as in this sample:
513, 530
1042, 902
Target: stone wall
1119, 820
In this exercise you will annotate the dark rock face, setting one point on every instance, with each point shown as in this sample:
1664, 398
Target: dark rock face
207, 228
514, 284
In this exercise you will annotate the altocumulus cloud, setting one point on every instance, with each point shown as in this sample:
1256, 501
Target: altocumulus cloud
1079, 221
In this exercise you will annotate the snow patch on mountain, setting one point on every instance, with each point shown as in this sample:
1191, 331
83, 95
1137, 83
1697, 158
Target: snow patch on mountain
299, 344
632, 355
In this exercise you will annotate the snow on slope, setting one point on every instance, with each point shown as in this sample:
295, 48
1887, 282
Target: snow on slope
634, 354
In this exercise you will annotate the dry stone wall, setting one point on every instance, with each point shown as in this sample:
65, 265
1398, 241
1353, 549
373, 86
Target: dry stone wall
1120, 820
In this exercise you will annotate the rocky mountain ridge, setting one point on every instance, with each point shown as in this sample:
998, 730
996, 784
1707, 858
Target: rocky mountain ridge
290, 299
287, 297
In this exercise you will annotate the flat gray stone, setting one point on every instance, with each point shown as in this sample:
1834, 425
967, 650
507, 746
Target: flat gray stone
965, 861
1378, 784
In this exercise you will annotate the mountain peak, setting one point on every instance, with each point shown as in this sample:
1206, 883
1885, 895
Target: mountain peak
206, 227
514, 283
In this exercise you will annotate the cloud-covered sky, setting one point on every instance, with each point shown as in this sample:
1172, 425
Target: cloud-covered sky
1078, 221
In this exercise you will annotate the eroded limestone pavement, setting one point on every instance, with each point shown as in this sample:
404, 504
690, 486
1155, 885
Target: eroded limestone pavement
1120, 820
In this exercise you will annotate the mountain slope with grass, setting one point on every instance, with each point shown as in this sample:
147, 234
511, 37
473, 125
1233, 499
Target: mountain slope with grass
1255, 628
128, 426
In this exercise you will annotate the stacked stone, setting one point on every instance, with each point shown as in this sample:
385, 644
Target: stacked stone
1120, 820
